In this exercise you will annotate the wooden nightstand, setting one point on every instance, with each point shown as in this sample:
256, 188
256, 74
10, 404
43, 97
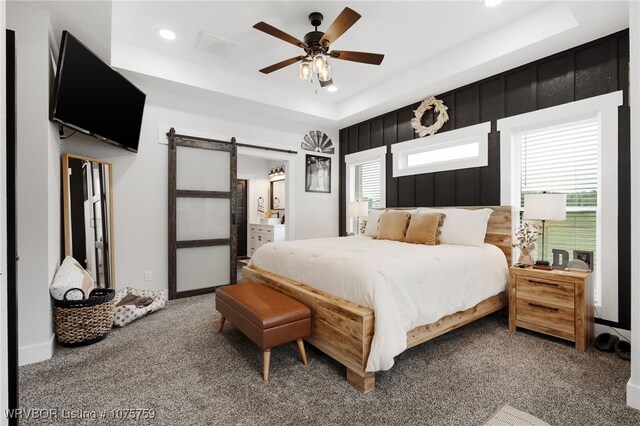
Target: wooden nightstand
559, 303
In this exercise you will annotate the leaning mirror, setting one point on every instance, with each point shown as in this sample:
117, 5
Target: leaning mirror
88, 216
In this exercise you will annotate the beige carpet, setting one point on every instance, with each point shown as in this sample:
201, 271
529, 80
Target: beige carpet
506, 415
174, 362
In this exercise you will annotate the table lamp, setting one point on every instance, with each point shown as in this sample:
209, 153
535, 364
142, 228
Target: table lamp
358, 209
544, 207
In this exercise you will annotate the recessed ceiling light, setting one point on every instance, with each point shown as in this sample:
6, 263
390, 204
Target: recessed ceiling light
492, 3
332, 88
167, 34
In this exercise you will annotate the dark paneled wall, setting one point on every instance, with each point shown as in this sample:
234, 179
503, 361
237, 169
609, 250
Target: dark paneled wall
592, 69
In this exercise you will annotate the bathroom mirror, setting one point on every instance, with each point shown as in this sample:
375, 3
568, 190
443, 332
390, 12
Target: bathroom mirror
277, 195
88, 216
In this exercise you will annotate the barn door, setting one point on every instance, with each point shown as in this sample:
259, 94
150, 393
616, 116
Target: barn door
202, 214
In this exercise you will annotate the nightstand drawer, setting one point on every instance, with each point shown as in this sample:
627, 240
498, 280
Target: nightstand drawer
548, 292
546, 318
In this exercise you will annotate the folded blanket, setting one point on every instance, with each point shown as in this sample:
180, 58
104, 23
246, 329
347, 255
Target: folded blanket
134, 299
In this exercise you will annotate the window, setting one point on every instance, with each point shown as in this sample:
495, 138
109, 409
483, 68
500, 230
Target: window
366, 179
367, 183
564, 159
457, 149
572, 149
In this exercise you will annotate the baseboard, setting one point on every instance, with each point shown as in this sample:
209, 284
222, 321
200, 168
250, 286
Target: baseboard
633, 395
598, 329
36, 353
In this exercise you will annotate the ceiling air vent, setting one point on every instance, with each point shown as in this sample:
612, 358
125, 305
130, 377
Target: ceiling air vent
214, 45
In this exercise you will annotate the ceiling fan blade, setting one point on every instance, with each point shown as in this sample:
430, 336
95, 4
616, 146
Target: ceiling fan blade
286, 62
364, 57
342, 23
325, 83
273, 31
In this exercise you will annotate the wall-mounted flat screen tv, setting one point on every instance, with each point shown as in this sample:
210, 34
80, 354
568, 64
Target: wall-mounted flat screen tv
93, 98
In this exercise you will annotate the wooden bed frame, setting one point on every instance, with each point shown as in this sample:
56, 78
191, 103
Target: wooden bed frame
344, 330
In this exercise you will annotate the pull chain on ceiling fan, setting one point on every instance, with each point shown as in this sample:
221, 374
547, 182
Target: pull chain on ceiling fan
316, 46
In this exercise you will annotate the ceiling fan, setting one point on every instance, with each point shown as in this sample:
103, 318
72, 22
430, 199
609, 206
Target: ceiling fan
317, 46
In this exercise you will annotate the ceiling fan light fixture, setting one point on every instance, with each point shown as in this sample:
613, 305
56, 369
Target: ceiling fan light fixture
325, 73
317, 47
319, 62
332, 88
305, 70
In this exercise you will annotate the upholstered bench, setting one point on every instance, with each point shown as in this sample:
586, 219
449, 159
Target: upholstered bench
265, 316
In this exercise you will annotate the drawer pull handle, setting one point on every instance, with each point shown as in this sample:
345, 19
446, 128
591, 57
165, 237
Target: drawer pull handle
543, 307
543, 283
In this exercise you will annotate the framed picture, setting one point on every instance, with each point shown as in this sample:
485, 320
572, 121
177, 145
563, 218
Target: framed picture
317, 174
585, 256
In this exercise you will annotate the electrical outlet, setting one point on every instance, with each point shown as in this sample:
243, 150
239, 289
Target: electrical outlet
147, 276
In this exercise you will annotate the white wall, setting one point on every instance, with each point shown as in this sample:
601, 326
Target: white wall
633, 387
140, 180
37, 180
4, 371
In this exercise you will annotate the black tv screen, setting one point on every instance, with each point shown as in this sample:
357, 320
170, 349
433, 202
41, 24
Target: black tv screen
93, 98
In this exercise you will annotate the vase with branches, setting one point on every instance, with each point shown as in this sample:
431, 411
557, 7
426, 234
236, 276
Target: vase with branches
525, 239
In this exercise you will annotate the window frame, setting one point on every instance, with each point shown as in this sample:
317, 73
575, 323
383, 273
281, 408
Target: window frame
605, 108
478, 133
351, 161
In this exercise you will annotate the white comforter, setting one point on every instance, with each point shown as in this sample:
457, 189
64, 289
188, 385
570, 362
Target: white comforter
407, 285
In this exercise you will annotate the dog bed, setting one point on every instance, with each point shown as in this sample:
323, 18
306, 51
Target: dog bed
126, 313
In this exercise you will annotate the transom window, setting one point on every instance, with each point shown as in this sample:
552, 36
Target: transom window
453, 150
460, 152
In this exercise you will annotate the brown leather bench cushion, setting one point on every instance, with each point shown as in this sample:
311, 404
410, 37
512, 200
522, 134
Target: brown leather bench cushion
261, 305
267, 317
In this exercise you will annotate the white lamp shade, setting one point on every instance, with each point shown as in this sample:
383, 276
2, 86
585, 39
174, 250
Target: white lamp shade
358, 209
545, 206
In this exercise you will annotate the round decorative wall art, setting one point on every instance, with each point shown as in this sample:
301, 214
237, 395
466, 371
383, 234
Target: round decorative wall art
438, 107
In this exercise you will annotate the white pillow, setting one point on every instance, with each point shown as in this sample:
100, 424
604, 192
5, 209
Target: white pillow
71, 275
371, 229
462, 226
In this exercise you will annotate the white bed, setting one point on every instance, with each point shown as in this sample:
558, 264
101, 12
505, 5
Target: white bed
407, 285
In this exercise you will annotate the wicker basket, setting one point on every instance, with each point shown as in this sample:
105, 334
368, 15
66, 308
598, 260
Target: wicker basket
86, 321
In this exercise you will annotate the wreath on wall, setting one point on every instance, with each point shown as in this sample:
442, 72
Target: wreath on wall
438, 107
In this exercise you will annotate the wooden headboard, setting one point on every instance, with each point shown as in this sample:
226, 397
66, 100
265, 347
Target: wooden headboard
499, 230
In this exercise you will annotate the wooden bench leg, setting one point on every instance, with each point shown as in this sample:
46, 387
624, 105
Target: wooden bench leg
220, 324
303, 354
265, 364
364, 383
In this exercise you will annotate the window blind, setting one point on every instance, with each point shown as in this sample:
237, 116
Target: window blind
368, 183
564, 159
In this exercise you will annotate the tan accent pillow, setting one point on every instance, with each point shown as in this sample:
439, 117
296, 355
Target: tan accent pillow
393, 225
424, 229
